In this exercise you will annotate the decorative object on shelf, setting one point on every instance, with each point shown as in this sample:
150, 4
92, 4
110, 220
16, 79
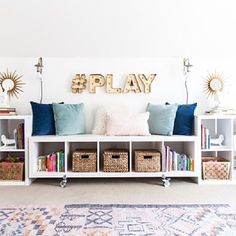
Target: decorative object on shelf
186, 70
147, 161
214, 86
215, 168
7, 142
115, 161
11, 85
84, 161
7, 111
217, 141
39, 69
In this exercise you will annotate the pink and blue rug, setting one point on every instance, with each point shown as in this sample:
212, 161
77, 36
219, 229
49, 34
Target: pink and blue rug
122, 220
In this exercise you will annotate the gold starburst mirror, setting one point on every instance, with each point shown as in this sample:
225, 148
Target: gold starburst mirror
11, 82
11, 86
213, 84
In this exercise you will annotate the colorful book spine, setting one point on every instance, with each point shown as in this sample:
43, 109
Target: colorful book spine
177, 162
53, 162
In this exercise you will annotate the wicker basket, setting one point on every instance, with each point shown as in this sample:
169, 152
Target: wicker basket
115, 161
215, 168
147, 161
11, 171
84, 161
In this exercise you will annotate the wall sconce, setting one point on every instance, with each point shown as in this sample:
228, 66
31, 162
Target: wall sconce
186, 71
39, 69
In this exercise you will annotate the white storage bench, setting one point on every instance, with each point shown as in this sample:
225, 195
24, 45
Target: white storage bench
43, 145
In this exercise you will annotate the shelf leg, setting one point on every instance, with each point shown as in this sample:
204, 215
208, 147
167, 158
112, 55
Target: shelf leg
165, 181
63, 182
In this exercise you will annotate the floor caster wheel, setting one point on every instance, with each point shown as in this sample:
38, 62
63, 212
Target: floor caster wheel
166, 181
63, 182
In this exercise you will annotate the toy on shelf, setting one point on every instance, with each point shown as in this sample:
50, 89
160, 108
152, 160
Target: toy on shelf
217, 141
7, 142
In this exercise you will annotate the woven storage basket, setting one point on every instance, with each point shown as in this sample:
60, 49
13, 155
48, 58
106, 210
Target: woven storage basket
215, 168
147, 161
11, 171
84, 161
115, 161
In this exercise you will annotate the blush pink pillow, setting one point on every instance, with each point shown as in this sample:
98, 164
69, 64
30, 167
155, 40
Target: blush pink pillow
123, 124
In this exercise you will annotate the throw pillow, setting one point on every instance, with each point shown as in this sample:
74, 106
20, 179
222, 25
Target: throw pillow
121, 124
162, 117
184, 119
100, 117
69, 118
43, 119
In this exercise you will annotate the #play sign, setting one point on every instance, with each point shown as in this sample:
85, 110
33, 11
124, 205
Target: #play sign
139, 83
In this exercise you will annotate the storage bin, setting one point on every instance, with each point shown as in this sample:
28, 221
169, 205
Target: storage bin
215, 168
11, 171
115, 161
84, 161
147, 161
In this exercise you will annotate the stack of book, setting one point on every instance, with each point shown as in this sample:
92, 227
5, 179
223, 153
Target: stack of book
7, 111
53, 162
174, 161
205, 138
19, 136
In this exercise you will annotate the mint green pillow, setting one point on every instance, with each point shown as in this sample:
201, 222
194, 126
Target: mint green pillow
162, 118
69, 118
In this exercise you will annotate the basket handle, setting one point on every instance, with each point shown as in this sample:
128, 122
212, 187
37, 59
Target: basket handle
84, 156
147, 157
115, 156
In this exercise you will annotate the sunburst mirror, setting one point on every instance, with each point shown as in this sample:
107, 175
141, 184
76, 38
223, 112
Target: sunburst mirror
213, 84
11, 83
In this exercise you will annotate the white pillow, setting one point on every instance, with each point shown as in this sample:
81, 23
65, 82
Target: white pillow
131, 124
100, 117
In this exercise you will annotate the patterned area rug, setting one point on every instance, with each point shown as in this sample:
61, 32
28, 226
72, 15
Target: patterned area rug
129, 220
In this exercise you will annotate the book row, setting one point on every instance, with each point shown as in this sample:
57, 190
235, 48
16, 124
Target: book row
19, 136
53, 162
174, 161
205, 138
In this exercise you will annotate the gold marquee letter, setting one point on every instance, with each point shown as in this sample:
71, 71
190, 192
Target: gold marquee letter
78, 83
109, 87
95, 80
147, 81
132, 84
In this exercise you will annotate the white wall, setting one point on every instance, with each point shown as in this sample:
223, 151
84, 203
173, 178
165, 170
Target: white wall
117, 28
119, 37
168, 85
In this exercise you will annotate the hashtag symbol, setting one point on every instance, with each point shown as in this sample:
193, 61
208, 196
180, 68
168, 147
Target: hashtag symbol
79, 83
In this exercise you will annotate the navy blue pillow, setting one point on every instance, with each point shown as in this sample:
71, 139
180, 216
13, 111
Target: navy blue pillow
184, 119
43, 119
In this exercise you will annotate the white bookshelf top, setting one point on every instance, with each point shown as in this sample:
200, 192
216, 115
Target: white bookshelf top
105, 138
10, 149
216, 116
15, 117
217, 148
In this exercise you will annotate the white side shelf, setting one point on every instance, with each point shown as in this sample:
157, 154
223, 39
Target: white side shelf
7, 125
219, 124
43, 145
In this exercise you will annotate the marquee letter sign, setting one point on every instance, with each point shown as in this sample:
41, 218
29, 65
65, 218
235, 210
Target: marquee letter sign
134, 83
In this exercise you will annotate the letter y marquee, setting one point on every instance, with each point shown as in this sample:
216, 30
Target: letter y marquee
140, 83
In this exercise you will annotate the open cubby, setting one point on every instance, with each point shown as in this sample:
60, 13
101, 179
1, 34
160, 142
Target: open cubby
20, 144
219, 125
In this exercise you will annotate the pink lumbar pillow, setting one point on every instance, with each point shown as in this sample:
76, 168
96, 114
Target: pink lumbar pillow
123, 124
